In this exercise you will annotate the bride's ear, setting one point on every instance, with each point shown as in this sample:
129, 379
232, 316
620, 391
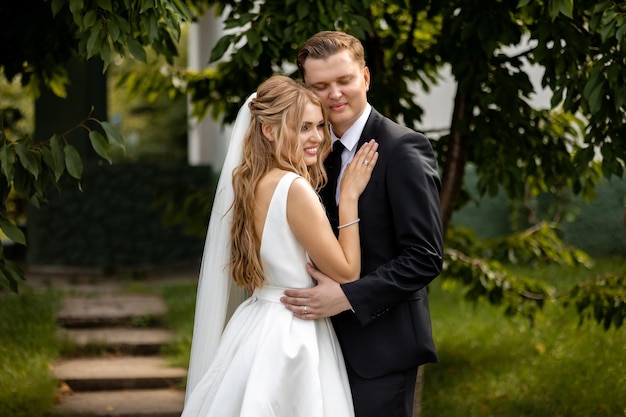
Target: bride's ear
268, 131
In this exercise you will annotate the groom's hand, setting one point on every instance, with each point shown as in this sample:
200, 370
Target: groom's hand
326, 299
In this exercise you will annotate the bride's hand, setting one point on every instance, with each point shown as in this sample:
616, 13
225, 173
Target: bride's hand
359, 171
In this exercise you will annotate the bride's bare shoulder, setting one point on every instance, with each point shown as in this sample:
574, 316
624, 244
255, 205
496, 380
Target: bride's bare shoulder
269, 181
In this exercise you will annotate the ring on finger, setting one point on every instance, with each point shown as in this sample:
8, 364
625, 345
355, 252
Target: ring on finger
305, 310
366, 162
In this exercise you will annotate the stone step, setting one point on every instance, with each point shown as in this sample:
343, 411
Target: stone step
119, 340
111, 310
123, 373
122, 403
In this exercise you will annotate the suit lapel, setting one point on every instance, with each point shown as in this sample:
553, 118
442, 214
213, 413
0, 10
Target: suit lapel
372, 128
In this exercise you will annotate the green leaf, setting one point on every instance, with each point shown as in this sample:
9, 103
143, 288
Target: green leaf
11, 273
23, 182
182, 9
596, 98
58, 82
76, 6
302, 9
7, 159
56, 147
592, 83
136, 49
221, 47
105, 4
608, 30
601, 6
105, 54
566, 7
28, 159
553, 9
12, 231
253, 37
100, 145
57, 5
93, 43
146, 5
619, 34
123, 24
153, 28
48, 159
6, 283
77, 17
113, 135
90, 18
73, 162
362, 23
114, 30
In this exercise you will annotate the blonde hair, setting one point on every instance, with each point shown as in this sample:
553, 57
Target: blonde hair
326, 43
280, 104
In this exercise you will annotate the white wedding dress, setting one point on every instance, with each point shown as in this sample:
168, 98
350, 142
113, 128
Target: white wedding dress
270, 363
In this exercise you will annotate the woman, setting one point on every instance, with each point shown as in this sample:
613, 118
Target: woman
267, 223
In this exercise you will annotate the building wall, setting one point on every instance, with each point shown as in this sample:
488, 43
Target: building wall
597, 227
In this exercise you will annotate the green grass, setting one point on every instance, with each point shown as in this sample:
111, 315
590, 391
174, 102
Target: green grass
490, 365
27, 347
181, 300
496, 366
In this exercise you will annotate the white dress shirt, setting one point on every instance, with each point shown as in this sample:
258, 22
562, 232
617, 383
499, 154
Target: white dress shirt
349, 140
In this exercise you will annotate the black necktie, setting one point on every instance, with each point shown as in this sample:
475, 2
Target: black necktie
333, 168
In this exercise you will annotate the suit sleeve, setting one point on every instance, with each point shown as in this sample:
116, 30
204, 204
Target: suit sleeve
406, 232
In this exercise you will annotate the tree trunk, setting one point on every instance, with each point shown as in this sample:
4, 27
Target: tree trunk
455, 158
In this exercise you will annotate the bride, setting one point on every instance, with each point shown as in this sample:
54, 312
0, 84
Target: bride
267, 222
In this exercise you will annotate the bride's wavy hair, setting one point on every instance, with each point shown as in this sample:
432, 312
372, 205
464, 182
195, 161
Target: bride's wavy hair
280, 104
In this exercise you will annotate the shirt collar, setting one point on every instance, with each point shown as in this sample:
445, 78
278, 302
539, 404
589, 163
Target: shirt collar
351, 137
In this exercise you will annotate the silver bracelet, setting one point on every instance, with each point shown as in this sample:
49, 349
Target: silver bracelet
349, 223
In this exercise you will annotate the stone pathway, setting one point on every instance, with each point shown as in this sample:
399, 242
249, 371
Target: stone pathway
127, 377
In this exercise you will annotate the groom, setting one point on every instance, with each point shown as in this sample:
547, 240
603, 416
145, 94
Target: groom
382, 320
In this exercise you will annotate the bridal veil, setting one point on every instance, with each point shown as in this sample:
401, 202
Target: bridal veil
217, 296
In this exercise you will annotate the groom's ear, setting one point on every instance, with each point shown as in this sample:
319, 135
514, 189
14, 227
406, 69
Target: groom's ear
268, 131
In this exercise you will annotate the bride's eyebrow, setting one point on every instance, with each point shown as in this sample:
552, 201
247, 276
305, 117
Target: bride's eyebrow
307, 123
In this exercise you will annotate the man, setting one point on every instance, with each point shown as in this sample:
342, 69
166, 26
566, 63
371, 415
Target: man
382, 320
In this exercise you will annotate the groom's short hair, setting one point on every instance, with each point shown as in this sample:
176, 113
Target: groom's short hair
327, 43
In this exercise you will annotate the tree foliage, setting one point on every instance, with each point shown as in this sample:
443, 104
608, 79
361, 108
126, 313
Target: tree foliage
87, 29
488, 47
29, 169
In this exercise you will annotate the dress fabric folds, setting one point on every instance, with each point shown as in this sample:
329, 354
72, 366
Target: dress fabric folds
270, 363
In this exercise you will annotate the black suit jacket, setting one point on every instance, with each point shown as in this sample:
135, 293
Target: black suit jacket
402, 251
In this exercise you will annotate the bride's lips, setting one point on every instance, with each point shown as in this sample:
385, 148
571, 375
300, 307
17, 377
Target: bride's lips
311, 151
